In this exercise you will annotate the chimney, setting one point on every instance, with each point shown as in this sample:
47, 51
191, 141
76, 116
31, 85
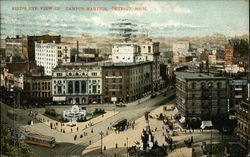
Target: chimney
77, 51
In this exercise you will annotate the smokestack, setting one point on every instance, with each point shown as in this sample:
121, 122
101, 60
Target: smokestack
77, 51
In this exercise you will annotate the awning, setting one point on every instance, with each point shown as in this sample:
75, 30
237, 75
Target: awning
205, 124
182, 120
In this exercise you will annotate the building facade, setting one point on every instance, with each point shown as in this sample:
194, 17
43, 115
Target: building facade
14, 48
124, 52
37, 89
24, 47
143, 51
237, 91
77, 83
243, 127
126, 82
200, 96
49, 55
28, 43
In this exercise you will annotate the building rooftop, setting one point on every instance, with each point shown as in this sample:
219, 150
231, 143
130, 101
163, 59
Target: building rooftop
190, 75
103, 64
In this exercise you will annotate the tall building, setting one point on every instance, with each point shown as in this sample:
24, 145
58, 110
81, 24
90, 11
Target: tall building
14, 48
24, 47
199, 96
236, 52
29, 44
49, 55
124, 52
126, 82
77, 83
146, 50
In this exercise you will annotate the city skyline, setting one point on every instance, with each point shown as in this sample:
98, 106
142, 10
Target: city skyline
157, 18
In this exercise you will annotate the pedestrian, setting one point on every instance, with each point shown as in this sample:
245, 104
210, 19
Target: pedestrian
71, 130
77, 128
75, 137
92, 130
89, 141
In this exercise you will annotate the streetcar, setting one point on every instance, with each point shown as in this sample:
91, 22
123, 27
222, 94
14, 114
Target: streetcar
41, 140
120, 124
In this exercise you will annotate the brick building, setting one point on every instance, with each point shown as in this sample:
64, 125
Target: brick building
199, 96
126, 82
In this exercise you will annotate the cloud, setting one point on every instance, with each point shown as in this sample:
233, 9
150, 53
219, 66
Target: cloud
172, 24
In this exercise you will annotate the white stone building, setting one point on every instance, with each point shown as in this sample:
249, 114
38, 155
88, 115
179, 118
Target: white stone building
146, 50
212, 59
124, 52
49, 55
77, 83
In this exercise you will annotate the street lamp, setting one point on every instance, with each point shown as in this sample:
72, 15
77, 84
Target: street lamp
101, 133
127, 146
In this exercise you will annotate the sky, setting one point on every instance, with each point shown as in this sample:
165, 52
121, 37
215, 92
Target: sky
157, 18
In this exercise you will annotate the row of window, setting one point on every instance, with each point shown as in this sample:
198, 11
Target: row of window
41, 86
41, 94
83, 73
202, 84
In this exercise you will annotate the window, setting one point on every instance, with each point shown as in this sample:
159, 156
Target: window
149, 49
94, 89
77, 87
70, 87
83, 87
59, 89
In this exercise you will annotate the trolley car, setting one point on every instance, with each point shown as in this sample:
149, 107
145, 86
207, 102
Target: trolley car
41, 140
120, 125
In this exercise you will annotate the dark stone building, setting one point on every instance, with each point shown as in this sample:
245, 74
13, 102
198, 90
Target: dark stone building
200, 96
243, 127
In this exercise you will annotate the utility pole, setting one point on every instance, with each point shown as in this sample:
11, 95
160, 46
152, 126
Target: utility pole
127, 146
101, 133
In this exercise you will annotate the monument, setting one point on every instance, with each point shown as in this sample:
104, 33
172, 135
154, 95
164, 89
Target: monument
147, 146
76, 113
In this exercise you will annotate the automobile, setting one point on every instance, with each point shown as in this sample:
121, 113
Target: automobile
153, 95
71, 124
94, 102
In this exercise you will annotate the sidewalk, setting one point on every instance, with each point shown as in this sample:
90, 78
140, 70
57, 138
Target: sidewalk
64, 128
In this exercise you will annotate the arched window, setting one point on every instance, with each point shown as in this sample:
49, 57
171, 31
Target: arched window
77, 101
83, 87
70, 87
77, 87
